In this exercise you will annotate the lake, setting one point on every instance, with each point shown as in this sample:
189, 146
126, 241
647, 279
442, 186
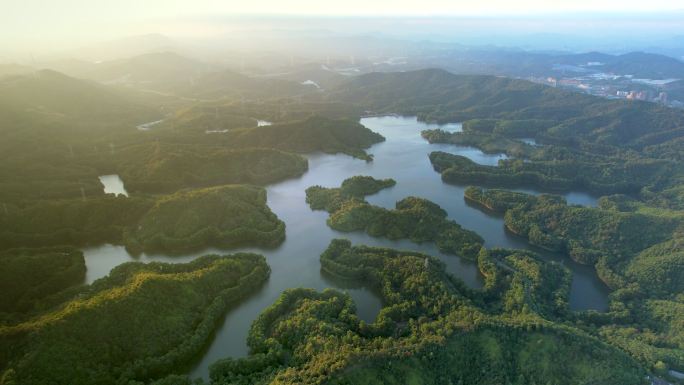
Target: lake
113, 185
295, 263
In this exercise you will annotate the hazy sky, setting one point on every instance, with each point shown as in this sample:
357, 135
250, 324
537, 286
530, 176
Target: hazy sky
50, 23
72, 10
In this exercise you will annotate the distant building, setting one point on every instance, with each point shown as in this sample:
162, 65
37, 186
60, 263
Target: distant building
637, 95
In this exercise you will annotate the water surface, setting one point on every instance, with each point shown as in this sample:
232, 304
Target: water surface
295, 263
113, 184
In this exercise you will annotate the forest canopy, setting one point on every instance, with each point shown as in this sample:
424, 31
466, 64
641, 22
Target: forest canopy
417, 219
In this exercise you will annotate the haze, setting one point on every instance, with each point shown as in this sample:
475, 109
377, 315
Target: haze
38, 27
355, 192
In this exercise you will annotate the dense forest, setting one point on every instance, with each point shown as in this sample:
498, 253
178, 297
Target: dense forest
639, 255
560, 175
140, 322
431, 331
226, 216
29, 276
637, 143
55, 146
196, 178
413, 218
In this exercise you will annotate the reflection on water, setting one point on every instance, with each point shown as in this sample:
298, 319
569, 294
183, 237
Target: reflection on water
113, 184
295, 263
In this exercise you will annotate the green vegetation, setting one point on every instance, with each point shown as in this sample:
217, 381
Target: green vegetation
660, 268
558, 175
307, 135
636, 252
227, 216
604, 238
60, 133
590, 143
354, 188
413, 218
439, 96
655, 335
30, 275
199, 119
489, 144
495, 200
310, 135
239, 113
513, 128
430, 332
70, 221
163, 168
53, 95
529, 283
141, 322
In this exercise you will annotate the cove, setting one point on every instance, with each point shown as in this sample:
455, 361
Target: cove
295, 263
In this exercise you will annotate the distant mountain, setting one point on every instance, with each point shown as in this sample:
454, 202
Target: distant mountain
437, 95
171, 73
126, 47
675, 90
229, 84
160, 69
638, 64
50, 93
647, 65
423, 89
77, 68
7, 69
314, 75
584, 58
523, 63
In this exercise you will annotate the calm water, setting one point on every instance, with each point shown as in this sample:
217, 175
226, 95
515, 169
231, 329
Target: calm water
404, 157
113, 184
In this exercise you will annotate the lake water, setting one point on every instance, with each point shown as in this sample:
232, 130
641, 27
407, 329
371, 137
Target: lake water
295, 263
113, 184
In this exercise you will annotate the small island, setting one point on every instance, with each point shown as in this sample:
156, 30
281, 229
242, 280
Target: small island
225, 217
413, 218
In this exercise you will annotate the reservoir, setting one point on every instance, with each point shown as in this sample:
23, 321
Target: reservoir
113, 185
295, 263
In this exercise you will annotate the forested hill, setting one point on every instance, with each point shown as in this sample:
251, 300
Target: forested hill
59, 133
55, 96
439, 96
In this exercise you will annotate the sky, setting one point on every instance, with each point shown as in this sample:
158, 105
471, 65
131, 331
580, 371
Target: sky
71, 10
53, 23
